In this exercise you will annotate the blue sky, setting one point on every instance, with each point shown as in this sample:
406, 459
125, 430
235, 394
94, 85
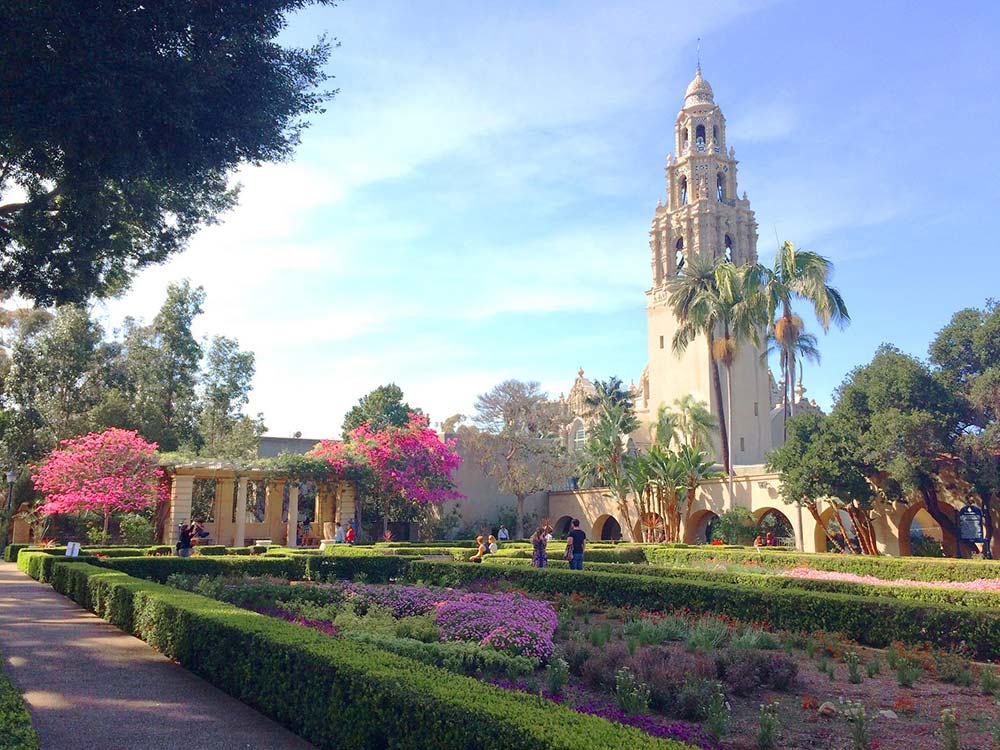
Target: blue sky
474, 204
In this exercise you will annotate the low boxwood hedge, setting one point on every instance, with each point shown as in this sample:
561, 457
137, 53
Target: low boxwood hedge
333, 692
889, 568
16, 731
958, 597
872, 621
158, 568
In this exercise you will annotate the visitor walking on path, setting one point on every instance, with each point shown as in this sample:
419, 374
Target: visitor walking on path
577, 539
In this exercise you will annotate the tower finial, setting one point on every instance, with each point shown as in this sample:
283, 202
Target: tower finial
699, 55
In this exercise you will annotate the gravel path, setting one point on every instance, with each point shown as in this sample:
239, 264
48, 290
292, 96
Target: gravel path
89, 685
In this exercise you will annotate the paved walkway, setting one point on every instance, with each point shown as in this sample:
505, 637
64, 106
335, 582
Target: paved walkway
89, 685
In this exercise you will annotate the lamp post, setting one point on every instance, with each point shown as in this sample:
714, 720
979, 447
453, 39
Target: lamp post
8, 511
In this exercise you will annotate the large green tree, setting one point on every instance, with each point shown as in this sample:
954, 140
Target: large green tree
381, 408
121, 123
163, 362
224, 430
517, 442
965, 355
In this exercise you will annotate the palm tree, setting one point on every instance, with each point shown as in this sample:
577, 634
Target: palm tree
798, 274
695, 423
695, 468
728, 301
665, 429
603, 462
689, 293
667, 480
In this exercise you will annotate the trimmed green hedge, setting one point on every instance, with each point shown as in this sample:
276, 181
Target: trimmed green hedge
333, 692
16, 731
872, 621
158, 568
958, 597
40, 565
376, 568
889, 568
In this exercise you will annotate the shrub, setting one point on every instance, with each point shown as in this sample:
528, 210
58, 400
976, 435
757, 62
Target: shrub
556, 675
419, 628
158, 568
209, 550
136, 530
16, 731
746, 671
334, 692
631, 695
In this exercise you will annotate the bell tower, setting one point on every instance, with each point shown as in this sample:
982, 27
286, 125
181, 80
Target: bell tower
702, 216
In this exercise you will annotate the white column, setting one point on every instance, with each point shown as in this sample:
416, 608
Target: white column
181, 494
241, 512
293, 515
801, 539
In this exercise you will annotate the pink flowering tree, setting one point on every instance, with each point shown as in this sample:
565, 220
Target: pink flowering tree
103, 472
407, 468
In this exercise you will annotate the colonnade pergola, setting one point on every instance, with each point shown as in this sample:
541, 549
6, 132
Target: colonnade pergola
270, 514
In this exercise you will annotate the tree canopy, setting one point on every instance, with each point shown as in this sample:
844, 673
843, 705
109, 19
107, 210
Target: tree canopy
121, 123
382, 407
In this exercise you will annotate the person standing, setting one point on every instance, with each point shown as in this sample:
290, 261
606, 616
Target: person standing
578, 539
184, 542
338, 535
539, 543
503, 535
349, 536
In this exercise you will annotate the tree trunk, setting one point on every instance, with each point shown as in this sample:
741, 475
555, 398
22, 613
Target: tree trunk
107, 523
717, 389
791, 382
843, 529
729, 416
931, 501
987, 500
519, 525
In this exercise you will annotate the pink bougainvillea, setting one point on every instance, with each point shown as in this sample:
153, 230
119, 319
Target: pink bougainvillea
410, 463
105, 472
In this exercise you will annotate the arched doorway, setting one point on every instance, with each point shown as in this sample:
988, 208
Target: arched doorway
773, 521
561, 527
921, 536
697, 529
607, 529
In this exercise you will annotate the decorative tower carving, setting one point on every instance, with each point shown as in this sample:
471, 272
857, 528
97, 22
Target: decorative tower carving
703, 215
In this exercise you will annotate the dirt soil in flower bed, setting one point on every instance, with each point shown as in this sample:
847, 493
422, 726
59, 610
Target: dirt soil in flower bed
918, 710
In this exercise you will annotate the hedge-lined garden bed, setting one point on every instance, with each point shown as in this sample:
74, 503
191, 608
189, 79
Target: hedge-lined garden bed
873, 621
334, 693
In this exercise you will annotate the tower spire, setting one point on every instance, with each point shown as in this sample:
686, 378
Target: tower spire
699, 56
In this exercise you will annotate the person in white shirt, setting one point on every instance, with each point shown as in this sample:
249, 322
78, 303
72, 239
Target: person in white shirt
338, 535
503, 535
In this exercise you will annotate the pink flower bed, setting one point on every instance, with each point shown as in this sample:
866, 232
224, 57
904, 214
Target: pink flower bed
980, 584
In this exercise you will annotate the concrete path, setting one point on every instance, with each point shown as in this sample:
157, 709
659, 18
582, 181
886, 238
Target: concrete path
89, 685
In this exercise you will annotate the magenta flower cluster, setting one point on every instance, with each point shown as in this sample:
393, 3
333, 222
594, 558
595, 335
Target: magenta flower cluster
508, 622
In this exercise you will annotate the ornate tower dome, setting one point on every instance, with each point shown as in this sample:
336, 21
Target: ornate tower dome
699, 91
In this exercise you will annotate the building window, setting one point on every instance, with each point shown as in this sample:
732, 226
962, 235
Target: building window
580, 438
661, 342
684, 190
699, 137
256, 501
679, 255
755, 408
715, 132
729, 248
742, 445
720, 186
